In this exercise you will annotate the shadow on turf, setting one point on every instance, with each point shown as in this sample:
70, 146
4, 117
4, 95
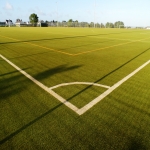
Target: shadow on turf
10, 84
60, 49
136, 144
108, 74
130, 106
42, 75
29, 55
55, 70
29, 124
65, 37
8, 73
87, 45
54, 108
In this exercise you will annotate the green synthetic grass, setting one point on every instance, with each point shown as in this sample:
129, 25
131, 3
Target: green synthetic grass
30, 118
79, 94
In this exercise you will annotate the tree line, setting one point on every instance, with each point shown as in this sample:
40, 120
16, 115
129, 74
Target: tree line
70, 23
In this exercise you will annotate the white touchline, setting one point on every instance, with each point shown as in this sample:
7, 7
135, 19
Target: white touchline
71, 106
68, 104
99, 98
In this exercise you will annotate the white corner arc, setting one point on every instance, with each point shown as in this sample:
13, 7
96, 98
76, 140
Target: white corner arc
64, 101
80, 83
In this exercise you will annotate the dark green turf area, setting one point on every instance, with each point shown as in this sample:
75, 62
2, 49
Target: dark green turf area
30, 118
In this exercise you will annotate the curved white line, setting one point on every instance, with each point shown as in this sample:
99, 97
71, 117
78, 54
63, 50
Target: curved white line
85, 83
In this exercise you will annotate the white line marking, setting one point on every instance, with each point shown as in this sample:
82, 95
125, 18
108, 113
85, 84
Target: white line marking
71, 106
68, 104
86, 83
99, 98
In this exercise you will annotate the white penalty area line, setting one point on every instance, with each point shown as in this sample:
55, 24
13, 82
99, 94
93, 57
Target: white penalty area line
68, 104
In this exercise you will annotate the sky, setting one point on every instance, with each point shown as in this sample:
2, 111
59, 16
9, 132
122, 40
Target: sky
131, 12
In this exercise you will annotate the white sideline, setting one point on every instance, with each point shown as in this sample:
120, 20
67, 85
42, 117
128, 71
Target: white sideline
99, 98
71, 106
68, 104
86, 83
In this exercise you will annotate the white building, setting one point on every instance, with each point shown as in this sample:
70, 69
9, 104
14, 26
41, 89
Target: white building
9, 22
20, 23
148, 27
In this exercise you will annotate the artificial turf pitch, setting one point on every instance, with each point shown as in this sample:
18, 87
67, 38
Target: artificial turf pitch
31, 118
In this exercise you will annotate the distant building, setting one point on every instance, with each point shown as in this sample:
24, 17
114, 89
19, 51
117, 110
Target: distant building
20, 23
9, 22
148, 27
6, 23
2, 24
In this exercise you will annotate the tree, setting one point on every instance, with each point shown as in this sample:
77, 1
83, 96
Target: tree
33, 19
119, 24
76, 23
97, 25
70, 22
109, 25
102, 25
92, 24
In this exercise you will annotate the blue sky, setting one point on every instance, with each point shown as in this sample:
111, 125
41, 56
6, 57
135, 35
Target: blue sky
131, 12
